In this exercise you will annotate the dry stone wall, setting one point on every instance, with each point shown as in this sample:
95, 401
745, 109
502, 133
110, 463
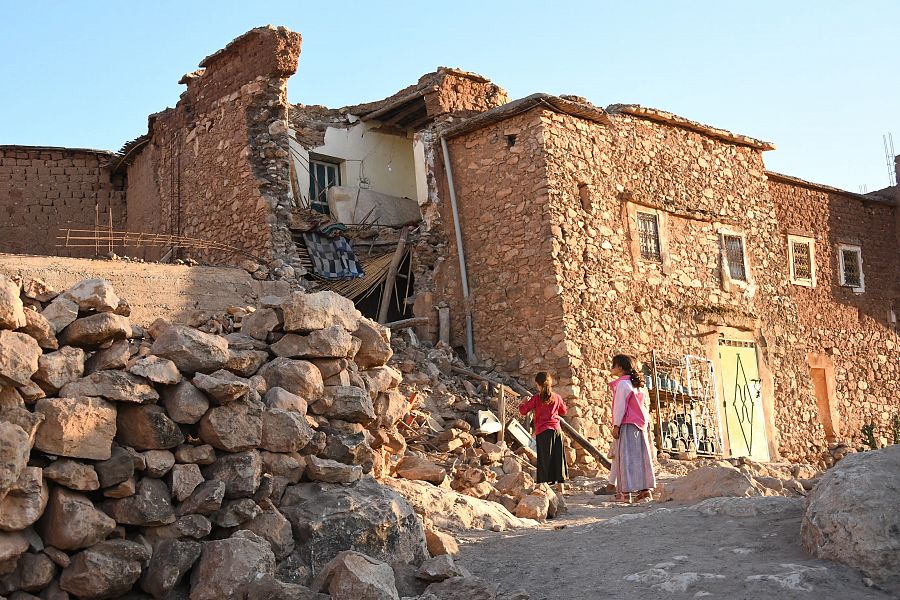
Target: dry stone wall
43, 190
219, 160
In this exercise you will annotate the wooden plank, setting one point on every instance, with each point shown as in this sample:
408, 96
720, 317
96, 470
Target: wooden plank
413, 322
501, 435
392, 276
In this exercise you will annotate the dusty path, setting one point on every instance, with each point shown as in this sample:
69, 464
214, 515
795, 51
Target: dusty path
735, 548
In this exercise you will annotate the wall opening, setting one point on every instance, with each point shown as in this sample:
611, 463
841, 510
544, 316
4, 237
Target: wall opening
821, 371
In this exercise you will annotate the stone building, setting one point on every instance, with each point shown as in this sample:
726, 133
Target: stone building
585, 231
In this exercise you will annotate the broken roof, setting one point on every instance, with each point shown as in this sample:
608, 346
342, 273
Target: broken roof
511, 109
661, 116
55, 149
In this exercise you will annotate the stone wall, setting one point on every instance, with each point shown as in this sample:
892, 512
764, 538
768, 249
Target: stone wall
502, 197
216, 166
558, 282
853, 329
43, 190
174, 292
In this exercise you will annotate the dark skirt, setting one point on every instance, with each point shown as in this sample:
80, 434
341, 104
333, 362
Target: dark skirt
551, 459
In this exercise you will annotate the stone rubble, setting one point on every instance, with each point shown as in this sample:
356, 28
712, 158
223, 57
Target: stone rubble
178, 463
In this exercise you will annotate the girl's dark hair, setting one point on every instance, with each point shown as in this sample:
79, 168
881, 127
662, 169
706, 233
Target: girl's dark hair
545, 385
628, 364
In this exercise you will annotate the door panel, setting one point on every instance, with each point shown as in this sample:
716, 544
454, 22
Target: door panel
742, 398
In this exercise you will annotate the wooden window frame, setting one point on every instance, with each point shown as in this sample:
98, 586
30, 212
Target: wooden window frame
649, 256
855, 248
327, 162
810, 243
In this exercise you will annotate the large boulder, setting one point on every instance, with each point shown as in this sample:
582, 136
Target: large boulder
331, 471
19, 355
191, 350
375, 349
76, 427
156, 369
710, 482
12, 311
93, 294
95, 330
273, 527
310, 312
60, 313
354, 576
295, 376
25, 502
240, 472
112, 385
150, 506
233, 427
106, 570
147, 427
421, 469
853, 515
71, 521
332, 342
461, 588
453, 511
15, 448
40, 329
185, 403
364, 516
171, 560
114, 357
222, 386
56, 369
260, 323
73, 475
347, 403
228, 567
284, 431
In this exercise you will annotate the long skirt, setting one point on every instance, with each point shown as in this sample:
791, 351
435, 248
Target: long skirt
632, 463
551, 460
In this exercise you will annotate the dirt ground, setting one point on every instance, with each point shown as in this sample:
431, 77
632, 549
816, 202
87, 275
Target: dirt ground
735, 548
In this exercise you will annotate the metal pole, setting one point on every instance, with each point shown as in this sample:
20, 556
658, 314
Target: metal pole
470, 343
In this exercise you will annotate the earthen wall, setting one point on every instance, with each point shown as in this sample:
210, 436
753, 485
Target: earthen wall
216, 166
46, 190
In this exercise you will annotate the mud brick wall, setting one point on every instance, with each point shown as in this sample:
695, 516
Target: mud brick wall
216, 167
44, 190
463, 93
855, 329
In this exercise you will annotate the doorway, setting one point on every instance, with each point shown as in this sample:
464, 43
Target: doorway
742, 399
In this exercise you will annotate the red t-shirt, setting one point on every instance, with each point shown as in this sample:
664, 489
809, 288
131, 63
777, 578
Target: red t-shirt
546, 416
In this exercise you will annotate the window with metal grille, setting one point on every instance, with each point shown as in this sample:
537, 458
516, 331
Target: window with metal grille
734, 255
851, 267
648, 233
322, 175
801, 261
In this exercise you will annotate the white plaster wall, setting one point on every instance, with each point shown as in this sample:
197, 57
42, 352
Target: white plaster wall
386, 161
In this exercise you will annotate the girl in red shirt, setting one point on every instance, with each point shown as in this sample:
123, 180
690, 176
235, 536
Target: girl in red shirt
547, 407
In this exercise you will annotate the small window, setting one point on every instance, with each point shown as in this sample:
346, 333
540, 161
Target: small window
734, 256
850, 267
648, 232
322, 175
802, 258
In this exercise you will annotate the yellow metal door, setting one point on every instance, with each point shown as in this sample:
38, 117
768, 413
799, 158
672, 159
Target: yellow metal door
742, 400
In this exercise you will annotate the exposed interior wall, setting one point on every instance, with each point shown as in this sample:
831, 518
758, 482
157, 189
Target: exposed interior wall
44, 190
153, 290
220, 157
854, 330
145, 210
368, 158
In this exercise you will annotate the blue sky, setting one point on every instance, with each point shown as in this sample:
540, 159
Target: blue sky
819, 78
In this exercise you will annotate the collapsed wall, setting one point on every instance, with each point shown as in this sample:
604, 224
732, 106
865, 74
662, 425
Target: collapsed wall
216, 166
45, 190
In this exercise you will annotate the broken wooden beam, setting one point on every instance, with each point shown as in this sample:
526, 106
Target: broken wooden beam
474, 375
392, 276
404, 323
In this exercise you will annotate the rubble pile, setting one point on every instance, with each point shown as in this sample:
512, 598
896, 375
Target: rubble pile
173, 463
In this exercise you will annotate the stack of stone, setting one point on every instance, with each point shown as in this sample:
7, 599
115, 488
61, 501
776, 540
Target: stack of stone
172, 463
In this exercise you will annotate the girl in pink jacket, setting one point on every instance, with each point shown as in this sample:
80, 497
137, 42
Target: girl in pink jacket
632, 461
